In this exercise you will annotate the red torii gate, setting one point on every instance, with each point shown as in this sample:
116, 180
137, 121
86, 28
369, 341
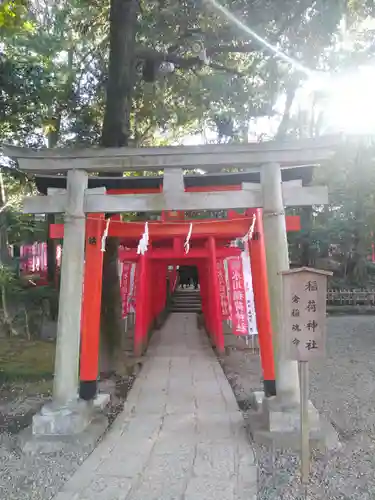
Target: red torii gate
269, 185
208, 242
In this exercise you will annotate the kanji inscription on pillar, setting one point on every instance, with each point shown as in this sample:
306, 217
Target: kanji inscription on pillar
304, 300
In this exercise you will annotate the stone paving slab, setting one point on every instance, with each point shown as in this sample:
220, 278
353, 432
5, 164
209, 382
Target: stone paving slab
180, 435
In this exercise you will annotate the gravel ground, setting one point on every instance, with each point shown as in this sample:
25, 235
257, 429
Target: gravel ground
41, 477
343, 389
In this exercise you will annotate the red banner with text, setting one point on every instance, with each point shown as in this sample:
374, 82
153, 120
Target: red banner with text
224, 299
237, 297
125, 287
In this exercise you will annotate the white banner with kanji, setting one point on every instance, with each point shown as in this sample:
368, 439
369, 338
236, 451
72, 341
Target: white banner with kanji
249, 291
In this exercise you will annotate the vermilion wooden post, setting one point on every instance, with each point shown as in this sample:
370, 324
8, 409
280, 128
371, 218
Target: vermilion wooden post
141, 306
262, 304
148, 300
215, 297
203, 297
153, 298
202, 272
163, 294
172, 279
165, 291
158, 287
92, 293
158, 290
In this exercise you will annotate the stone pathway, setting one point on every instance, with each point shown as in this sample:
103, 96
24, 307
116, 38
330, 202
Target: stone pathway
180, 436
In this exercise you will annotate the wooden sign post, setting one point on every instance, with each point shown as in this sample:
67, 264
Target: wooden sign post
304, 301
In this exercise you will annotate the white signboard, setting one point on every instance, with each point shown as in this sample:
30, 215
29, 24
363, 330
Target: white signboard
249, 292
304, 297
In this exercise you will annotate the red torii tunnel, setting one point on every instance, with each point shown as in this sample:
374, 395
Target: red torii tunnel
209, 242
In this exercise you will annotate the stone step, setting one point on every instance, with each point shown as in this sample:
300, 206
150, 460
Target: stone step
185, 300
186, 294
186, 304
186, 311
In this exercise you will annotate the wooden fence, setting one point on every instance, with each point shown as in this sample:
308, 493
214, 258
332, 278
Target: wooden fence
359, 297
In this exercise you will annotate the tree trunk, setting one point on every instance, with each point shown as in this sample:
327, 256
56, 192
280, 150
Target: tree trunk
5, 260
115, 133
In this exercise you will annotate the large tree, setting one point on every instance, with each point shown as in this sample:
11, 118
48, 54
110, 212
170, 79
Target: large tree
123, 20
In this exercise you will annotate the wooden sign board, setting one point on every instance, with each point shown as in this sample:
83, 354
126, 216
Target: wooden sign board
304, 312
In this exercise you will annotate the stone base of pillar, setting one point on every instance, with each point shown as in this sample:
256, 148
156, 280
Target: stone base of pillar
54, 420
277, 426
256, 400
30, 444
55, 426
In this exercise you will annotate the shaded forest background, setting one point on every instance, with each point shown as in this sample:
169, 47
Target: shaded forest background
142, 73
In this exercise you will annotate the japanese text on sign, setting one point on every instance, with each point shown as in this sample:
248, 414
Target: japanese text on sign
124, 287
224, 302
237, 297
249, 292
304, 313
127, 287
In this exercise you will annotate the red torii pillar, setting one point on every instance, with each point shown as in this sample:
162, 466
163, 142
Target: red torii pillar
215, 309
142, 305
262, 303
91, 304
202, 273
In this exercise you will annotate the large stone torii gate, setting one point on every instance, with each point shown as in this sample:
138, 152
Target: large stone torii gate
67, 415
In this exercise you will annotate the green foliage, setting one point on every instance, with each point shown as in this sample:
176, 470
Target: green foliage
340, 235
54, 72
13, 16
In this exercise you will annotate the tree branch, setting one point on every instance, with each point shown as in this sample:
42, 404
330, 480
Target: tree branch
153, 54
227, 69
245, 48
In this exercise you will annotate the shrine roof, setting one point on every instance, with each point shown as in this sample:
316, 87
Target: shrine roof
303, 173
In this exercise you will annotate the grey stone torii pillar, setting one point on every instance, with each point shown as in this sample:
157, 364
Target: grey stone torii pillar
66, 415
71, 288
277, 255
